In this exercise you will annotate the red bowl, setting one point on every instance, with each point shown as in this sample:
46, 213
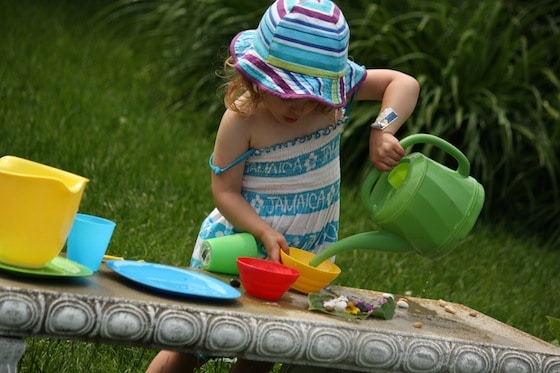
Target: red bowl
264, 279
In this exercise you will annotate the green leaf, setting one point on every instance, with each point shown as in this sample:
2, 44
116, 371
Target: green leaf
385, 311
554, 326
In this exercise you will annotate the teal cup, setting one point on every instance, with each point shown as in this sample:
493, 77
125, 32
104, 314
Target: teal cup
88, 240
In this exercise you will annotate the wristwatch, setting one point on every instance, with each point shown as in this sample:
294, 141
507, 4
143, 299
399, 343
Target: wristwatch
385, 118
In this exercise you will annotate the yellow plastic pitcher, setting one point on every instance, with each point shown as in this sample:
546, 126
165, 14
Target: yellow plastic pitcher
38, 205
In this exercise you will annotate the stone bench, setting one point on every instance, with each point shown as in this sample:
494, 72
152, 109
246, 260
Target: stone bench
107, 308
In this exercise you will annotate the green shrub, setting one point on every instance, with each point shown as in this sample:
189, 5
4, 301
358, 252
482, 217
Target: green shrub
193, 37
488, 85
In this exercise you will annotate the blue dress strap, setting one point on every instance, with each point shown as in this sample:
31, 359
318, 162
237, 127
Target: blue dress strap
218, 170
350, 103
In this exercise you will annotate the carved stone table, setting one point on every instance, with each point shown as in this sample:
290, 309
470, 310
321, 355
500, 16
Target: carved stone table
107, 308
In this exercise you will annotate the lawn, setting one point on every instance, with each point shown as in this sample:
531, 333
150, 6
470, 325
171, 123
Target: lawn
77, 97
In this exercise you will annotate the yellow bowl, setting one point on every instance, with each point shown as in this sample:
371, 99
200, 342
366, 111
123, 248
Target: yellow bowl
311, 279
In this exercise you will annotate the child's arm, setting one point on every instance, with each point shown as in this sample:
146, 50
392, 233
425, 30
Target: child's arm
398, 93
232, 140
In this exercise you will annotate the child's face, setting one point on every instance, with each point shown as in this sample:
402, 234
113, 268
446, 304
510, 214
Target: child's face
288, 111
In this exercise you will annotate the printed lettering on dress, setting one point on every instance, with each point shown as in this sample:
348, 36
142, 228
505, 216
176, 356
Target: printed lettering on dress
293, 203
297, 165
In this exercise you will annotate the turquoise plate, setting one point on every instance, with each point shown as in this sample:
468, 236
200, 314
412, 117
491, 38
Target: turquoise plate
173, 280
58, 267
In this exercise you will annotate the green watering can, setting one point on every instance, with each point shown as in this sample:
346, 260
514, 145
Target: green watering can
420, 205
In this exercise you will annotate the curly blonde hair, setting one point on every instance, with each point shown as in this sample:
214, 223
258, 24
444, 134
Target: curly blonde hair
241, 95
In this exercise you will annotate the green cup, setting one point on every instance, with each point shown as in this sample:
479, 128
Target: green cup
220, 254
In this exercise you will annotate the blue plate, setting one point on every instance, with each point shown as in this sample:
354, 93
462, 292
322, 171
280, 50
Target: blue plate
173, 280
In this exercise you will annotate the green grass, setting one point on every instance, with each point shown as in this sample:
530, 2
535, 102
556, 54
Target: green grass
79, 98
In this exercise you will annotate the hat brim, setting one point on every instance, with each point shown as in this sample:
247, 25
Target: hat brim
291, 85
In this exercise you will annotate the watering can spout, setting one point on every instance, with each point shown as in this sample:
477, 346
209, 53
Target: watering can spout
377, 240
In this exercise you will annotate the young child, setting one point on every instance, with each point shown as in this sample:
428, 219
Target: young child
276, 171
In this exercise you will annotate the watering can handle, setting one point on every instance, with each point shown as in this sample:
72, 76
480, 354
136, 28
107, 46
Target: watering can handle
463, 168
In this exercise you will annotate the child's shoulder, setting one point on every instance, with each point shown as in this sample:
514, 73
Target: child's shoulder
232, 118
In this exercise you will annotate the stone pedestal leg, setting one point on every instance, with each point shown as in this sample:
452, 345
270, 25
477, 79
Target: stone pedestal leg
11, 350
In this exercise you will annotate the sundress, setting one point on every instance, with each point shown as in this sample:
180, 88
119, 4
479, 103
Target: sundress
294, 186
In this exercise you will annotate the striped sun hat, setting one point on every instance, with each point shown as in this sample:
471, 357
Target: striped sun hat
299, 50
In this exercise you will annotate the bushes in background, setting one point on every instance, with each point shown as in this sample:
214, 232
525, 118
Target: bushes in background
489, 71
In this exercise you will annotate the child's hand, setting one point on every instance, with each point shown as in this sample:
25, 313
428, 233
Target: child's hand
274, 242
385, 151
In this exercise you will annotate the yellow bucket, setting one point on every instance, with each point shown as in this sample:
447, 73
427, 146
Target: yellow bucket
39, 204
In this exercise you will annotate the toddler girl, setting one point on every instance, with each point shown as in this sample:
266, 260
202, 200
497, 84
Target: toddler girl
276, 167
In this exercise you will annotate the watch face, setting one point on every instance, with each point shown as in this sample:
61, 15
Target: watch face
386, 117
390, 116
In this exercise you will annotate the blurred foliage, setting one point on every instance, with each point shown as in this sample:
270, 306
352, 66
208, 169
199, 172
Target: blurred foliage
490, 85
489, 72
193, 36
